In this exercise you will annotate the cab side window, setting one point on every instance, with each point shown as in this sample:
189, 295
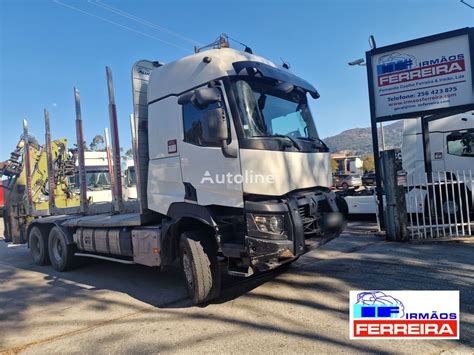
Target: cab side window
192, 124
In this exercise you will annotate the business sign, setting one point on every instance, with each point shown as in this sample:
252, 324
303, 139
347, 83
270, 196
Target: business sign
404, 314
421, 77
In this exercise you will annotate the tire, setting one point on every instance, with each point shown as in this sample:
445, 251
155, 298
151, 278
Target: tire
453, 206
345, 186
342, 206
452, 203
200, 267
6, 226
61, 253
38, 246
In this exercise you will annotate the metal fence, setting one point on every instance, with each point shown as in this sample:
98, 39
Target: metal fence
440, 204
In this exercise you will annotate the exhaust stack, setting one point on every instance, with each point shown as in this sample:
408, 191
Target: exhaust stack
117, 192
27, 167
109, 161
50, 165
136, 162
80, 150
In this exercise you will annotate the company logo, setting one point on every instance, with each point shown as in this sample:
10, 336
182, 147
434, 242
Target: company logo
377, 305
144, 72
396, 68
404, 314
394, 62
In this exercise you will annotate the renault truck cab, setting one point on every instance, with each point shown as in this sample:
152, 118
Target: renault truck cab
233, 142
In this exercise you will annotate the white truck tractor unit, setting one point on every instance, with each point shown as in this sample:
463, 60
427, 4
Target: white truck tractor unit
451, 142
97, 177
129, 181
229, 169
452, 159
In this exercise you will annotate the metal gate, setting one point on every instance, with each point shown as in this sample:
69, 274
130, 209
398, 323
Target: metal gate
440, 205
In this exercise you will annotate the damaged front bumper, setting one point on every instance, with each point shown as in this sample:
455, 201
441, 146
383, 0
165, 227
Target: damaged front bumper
266, 254
306, 214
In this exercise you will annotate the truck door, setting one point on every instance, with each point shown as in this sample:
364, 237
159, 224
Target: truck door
437, 151
210, 177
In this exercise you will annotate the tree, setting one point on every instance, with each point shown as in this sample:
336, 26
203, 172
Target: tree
128, 154
368, 163
334, 165
33, 141
86, 147
97, 144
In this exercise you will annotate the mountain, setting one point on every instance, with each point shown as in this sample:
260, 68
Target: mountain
359, 140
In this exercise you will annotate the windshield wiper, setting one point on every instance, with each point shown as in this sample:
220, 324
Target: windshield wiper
315, 140
295, 143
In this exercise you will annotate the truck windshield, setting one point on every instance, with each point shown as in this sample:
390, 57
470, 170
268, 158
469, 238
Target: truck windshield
97, 178
266, 111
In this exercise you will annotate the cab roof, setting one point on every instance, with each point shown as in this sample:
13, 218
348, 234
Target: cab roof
192, 71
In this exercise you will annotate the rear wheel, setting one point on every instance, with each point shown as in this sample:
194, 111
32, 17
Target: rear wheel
200, 267
61, 253
38, 246
345, 186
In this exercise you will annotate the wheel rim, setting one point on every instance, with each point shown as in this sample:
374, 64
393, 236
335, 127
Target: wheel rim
57, 249
188, 272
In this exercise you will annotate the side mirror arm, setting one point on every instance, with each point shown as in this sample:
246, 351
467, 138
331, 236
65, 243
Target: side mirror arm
228, 151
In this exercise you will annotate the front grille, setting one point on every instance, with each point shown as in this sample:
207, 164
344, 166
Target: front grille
309, 221
303, 211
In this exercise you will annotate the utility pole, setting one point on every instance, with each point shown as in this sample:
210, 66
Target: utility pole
382, 138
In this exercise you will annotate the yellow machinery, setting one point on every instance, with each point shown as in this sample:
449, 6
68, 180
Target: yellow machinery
20, 209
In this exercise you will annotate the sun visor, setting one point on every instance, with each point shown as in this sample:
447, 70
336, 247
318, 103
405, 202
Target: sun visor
267, 71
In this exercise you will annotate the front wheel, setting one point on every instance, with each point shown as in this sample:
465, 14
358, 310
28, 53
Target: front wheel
200, 267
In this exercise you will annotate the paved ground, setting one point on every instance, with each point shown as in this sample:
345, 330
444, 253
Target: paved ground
107, 307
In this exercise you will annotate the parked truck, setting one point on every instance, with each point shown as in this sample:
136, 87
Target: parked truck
17, 216
28, 166
452, 157
229, 169
97, 177
129, 181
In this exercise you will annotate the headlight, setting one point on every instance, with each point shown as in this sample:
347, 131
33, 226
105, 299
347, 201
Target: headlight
274, 224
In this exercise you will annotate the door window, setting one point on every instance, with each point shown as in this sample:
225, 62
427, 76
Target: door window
192, 124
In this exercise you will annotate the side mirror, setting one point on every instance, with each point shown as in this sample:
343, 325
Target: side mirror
201, 98
214, 126
186, 98
205, 96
